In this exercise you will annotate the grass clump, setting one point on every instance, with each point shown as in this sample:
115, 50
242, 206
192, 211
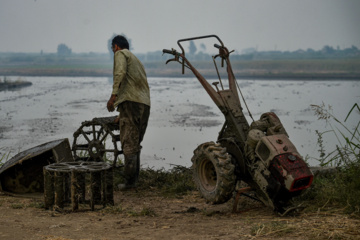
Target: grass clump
113, 209
146, 211
174, 182
4, 157
36, 204
347, 151
341, 190
17, 206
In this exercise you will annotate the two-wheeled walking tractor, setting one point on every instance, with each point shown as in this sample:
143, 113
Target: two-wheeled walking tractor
259, 154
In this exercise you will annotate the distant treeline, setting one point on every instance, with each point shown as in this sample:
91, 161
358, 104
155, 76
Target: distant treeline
327, 52
327, 63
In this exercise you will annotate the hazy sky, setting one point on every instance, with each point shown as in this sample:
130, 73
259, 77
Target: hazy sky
86, 25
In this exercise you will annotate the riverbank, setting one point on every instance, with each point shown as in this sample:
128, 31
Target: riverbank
50, 72
298, 69
11, 85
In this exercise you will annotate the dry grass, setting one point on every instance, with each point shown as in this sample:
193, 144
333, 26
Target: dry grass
326, 225
320, 224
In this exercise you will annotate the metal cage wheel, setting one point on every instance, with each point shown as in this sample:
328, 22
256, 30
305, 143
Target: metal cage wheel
97, 140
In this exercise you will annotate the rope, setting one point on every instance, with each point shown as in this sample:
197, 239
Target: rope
244, 101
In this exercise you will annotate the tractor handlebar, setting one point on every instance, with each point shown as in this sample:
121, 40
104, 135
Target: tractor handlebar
168, 51
217, 46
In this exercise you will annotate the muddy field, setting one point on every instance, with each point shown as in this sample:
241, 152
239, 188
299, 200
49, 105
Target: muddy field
148, 215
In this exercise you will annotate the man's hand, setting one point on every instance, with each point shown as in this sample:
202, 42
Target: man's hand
117, 119
110, 103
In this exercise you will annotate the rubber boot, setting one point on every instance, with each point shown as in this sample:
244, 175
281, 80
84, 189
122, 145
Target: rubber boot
137, 167
131, 173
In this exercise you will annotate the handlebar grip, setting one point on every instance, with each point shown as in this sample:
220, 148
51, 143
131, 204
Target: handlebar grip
217, 46
167, 51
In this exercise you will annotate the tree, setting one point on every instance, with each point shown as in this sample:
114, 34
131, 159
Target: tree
63, 50
310, 50
192, 48
328, 49
110, 40
354, 48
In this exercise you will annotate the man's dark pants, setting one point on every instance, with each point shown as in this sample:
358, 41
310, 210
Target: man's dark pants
133, 122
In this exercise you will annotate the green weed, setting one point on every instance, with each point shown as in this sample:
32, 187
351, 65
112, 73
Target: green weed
17, 206
342, 189
211, 213
4, 157
113, 209
177, 181
36, 204
347, 151
146, 211
132, 213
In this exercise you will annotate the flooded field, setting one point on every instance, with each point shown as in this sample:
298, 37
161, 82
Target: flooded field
182, 114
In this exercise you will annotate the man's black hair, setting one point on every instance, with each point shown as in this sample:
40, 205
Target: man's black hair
120, 41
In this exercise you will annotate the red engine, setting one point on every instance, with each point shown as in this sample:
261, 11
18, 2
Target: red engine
284, 162
291, 171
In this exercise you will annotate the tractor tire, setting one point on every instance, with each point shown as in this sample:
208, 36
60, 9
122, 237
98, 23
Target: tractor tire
213, 173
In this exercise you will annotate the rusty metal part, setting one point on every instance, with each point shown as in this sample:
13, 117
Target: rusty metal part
237, 198
97, 140
218, 74
194, 38
274, 124
23, 173
67, 183
226, 99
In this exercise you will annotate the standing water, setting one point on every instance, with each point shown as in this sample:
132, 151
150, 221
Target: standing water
182, 113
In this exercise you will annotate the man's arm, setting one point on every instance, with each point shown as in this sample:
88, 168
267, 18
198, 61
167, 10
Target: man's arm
110, 103
119, 74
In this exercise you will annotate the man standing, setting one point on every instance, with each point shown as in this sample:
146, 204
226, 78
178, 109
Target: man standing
131, 96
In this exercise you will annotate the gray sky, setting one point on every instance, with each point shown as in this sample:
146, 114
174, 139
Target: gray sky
86, 25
